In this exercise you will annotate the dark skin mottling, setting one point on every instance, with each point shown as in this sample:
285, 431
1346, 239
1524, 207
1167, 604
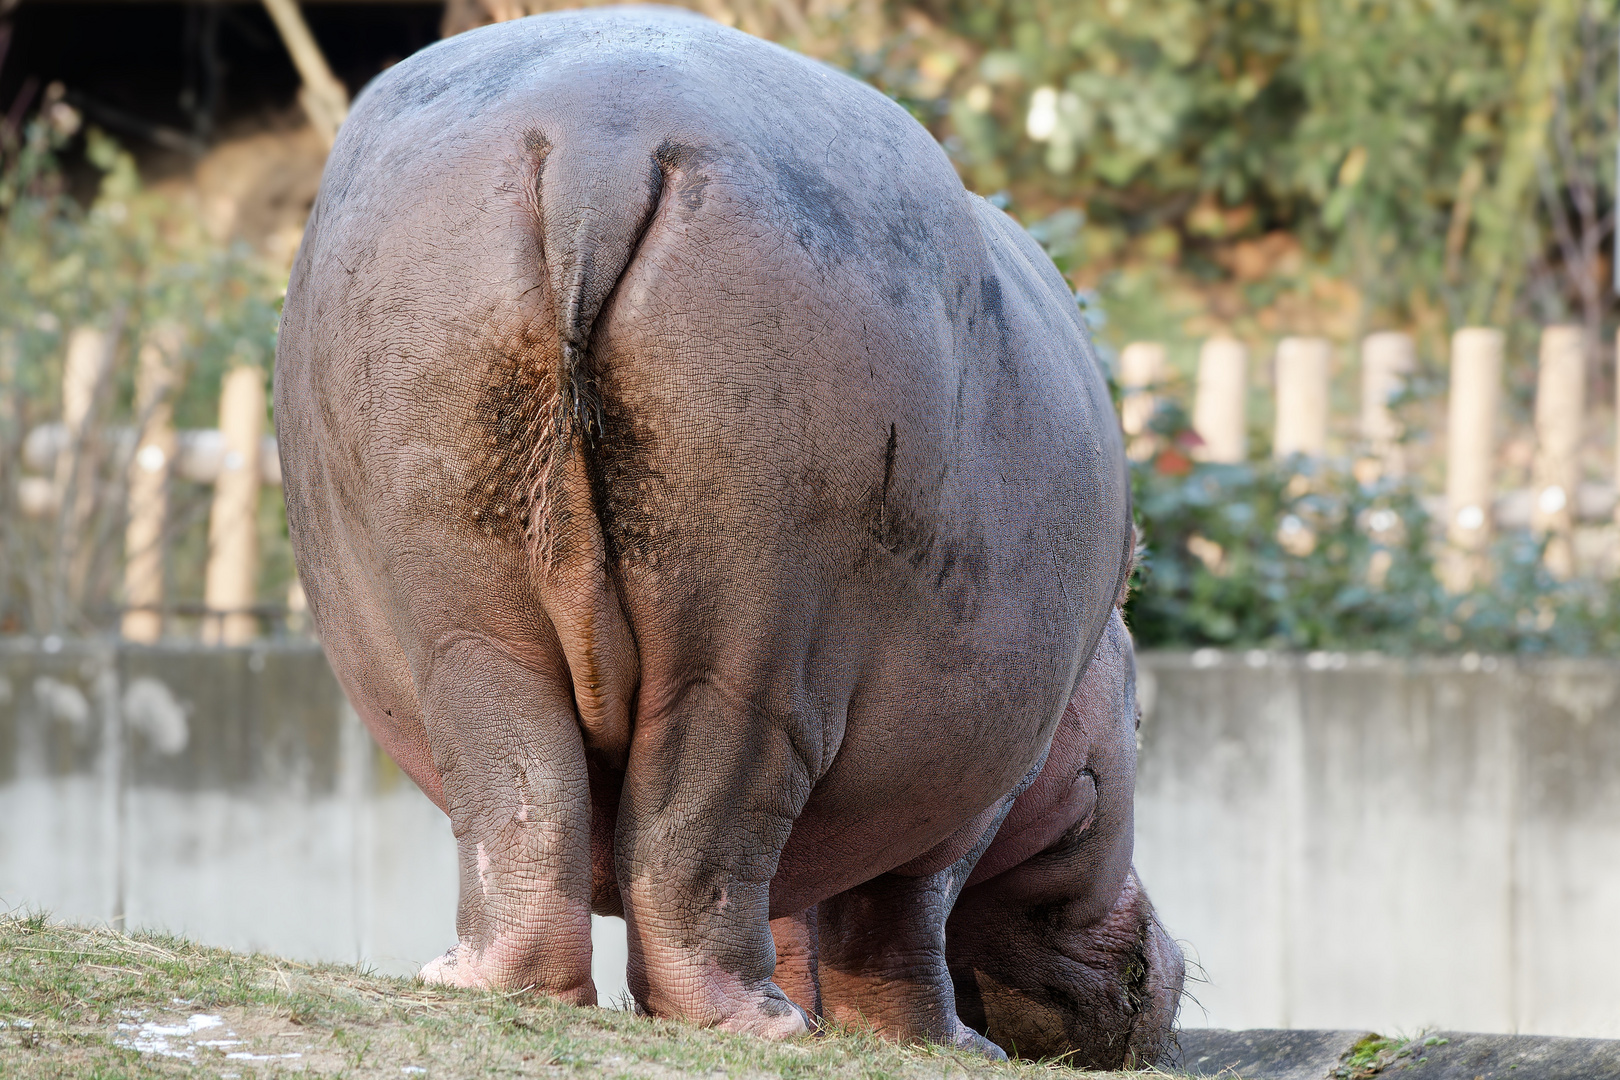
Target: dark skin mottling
713, 508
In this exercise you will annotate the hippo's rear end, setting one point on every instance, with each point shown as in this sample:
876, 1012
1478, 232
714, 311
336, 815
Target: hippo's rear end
707, 502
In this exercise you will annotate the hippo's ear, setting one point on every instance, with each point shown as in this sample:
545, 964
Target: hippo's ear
1133, 547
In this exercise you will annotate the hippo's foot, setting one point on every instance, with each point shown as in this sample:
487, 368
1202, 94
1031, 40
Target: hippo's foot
714, 998
971, 1041
768, 1019
512, 764
464, 966
695, 851
882, 961
1101, 994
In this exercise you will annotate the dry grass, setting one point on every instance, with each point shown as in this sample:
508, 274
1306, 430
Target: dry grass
94, 1003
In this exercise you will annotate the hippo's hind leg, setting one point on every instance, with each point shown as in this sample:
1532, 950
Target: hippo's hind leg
882, 955
508, 747
711, 792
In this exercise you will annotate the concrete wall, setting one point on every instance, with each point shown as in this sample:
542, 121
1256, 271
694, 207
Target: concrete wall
229, 795
1341, 841
1359, 842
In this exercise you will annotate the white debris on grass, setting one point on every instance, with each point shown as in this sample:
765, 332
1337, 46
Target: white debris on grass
243, 1055
179, 1040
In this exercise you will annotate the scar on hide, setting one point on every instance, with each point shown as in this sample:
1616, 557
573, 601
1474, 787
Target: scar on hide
888, 478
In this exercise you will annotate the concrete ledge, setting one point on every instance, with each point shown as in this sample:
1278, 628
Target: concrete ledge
1263, 1054
1465, 1056
1444, 1055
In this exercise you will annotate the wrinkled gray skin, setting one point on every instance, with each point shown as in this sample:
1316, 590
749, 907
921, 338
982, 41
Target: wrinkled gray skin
712, 506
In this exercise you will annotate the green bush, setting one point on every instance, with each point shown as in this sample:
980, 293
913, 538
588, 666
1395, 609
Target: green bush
1302, 555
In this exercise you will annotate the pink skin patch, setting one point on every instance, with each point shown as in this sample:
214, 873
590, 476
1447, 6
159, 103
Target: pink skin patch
458, 967
483, 870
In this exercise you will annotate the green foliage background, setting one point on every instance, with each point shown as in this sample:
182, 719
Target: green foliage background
1416, 149
126, 263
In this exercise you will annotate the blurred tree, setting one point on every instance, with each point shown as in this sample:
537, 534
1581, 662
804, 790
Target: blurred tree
130, 261
1396, 142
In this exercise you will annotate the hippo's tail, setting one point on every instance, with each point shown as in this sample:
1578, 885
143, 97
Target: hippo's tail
594, 204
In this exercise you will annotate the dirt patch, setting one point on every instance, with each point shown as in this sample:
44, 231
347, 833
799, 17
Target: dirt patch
256, 187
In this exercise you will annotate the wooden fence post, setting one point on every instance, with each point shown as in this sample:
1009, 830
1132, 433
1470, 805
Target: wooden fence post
1387, 359
297, 605
233, 543
1560, 420
1304, 365
149, 484
1475, 395
81, 372
1141, 369
88, 363
1220, 410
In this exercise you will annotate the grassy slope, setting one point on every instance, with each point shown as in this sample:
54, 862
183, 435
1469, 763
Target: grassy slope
65, 990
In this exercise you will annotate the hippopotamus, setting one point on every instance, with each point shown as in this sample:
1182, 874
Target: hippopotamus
720, 514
